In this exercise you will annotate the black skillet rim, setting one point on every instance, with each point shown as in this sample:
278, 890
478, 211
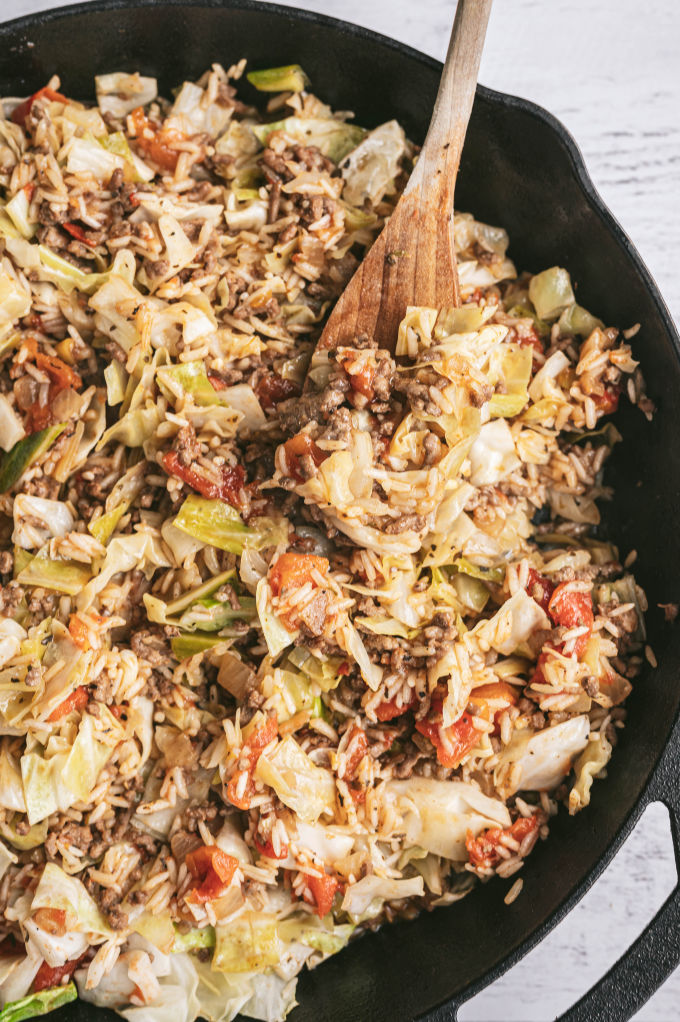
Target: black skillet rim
660, 783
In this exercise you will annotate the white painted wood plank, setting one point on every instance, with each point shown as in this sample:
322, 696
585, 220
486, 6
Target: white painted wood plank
609, 70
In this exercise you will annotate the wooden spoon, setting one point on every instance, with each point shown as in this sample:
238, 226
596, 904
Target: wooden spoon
413, 260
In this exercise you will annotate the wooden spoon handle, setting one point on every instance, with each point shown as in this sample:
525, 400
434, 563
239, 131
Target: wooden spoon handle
430, 189
435, 172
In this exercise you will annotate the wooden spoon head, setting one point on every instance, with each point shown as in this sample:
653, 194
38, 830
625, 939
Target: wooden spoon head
412, 262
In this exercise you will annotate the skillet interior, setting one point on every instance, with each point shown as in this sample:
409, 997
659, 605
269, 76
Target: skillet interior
521, 170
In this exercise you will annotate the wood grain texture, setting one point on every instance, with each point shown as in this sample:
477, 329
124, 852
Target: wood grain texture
609, 70
413, 261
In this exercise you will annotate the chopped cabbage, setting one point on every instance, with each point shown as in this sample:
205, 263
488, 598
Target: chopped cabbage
36, 520
18, 209
56, 949
141, 550
438, 814
119, 93
214, 522
61, 780
307, 789
334, 138
370, 169
320, 934
366, 898
589, 764
15, 302
276, 635
545, 757
326, 843
370, 672
58, 890
249, 943
187, 378
550, 292
11, 427
25, 453
42, 1003
242, 399
290, 78
86, 155
493, 456
543, 383
512, 624
7, 858
62, 576
577, 320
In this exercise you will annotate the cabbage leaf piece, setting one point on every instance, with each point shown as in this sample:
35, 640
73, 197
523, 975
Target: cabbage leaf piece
289, 78
438, 814
42, 1003
305, 788
589, 764
334, 138
370, 169
546, 757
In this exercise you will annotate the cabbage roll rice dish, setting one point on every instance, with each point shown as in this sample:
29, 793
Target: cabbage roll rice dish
276, 667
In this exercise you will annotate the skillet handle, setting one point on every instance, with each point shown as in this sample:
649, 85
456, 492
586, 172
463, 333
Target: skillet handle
650, 960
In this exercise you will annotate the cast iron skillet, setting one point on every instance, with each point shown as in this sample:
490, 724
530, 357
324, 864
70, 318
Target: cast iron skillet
520, 169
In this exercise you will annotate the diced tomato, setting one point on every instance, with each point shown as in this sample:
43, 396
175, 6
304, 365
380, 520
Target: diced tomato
572, 610
38, 417
271, 389
76, 701
214, 869
462, 736
495, 691
61, 374
296, 448
250, 753
51, 920
608, 402
21, 112
539, 588
79, 631
343, 669
118, 711
389, 709
217, 382
227, 489
156, 142
358, 746
62, 377
483, 849
261, 737
538, 677
267, 849
323, 890
29, 190
47, 977
291, 571
237, 797
362, 380
233, 480
79, 234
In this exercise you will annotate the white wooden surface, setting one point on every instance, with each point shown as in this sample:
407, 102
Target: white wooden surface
609, 70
